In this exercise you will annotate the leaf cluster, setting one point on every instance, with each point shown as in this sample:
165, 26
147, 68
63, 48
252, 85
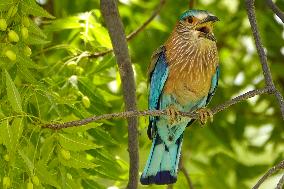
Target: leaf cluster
47, 76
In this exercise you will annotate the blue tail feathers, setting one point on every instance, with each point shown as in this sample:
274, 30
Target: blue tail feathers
162, 163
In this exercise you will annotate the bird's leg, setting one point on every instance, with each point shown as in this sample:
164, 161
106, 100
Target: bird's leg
204, 113
173, 114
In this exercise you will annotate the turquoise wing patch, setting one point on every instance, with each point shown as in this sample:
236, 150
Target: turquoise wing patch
158, 78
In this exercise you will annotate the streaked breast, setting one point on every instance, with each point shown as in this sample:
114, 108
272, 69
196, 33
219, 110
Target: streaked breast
192, 66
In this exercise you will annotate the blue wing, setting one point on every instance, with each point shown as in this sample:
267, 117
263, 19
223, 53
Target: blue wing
158, 77
214, 85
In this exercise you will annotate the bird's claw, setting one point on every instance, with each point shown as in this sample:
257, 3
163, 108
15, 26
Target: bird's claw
173, 114
204, 114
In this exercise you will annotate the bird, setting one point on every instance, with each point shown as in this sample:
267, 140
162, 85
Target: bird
183, 76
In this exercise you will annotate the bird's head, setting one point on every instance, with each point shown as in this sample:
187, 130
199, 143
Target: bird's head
197, 25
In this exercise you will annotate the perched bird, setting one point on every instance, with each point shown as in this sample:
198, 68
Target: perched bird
183, 77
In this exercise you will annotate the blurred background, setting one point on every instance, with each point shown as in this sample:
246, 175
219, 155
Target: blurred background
65, 84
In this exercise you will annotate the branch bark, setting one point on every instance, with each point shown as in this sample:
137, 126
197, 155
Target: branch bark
262, 55
280, 183
269, 173
135, 32
116, 31
191, 4
127, 114
275, 9
266, 72
184, 171
147, 22
170, 186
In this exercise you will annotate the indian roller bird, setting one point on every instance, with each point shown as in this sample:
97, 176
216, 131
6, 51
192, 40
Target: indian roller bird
183, 76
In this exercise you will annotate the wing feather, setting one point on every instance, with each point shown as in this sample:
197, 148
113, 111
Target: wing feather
158, 74
214, 85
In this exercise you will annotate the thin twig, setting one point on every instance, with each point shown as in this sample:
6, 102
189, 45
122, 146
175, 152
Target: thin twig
115, 27
240, 98
184, 171
99, 54
280, 101
215, 110
57, 126
266, 71
268, 173
191, 4
280, 183
262, 55
275, 9
147, 22
135, 32
170, 186
260, 49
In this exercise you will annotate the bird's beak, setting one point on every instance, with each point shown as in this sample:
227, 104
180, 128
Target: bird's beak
209, 19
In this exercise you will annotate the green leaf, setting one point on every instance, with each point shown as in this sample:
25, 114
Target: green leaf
77, 161
102, 36
26, 61
27, 161
105, 63
5, 5
26, 74
36, 40
47, 149
75, 143
32, 8
6, 135
85, 87
103, 136
13, 94
71, 22
91, 184
45, 175
67, 179
34, 29
17, 130
107, 173
103, 155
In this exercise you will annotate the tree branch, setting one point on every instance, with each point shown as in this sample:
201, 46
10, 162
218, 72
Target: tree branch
114, 24
127, 114
266, 71
260, 49
262, 55
135, 32
170, 186
99, 54
275, 9
191, 4
184, 171
280, 183
269, 173
147, 22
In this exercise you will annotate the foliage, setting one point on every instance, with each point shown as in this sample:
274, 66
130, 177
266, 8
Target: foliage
47, 76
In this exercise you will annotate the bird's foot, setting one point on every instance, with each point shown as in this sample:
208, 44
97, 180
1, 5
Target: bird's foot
173, 114
204, 114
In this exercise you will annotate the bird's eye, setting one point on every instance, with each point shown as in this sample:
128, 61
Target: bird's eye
189, 19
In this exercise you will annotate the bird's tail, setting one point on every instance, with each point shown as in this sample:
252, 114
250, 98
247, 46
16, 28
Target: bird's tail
162, 163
